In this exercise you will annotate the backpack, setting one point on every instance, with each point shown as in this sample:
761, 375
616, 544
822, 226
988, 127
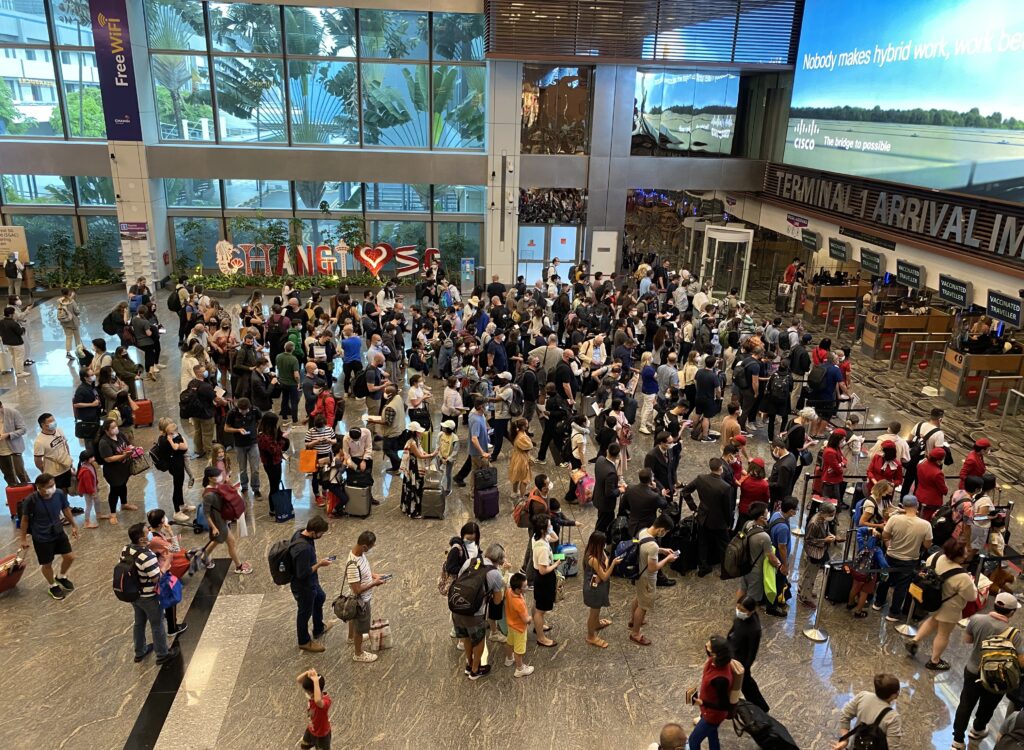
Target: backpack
281, 562
863, 561
868, 736
174, 301
740, 376
111, 326
127, 584
998, 669
63, 313
778, 388
945, 521
816, 377
736, 561
919, 443
799, 360
785, 343
467, 593
629, 551
1014, 739
926, 588
516, 405
359, 386
232, 506
188, 402
11, 269
157, 458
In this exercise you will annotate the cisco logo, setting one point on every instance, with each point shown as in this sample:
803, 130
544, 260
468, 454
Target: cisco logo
806, 128
803, 144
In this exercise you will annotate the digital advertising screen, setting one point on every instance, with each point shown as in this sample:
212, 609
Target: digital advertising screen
922, 92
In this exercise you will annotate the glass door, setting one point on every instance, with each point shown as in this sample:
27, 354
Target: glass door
726, 259
539, 244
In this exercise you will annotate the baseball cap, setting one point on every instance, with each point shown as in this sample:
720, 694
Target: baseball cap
1006, 600
909, 501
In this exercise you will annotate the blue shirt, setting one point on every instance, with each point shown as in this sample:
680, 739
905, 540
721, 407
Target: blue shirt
478, 429
500, 356
46, 524
481, 324
648, 383
352, 348
827, 392
645, 285
780, 533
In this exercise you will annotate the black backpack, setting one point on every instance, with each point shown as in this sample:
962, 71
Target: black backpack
359, 386
785, 343
736, 561
174, 301
944, 522
919, 443
799, 360
279, 558
778, 387
158, 458
188, 402
868, 736
112, 326
740, 376
127, 584
926, 587
816, 377
629, 551
467, 592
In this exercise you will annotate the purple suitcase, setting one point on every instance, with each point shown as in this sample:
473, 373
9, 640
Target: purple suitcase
485, 503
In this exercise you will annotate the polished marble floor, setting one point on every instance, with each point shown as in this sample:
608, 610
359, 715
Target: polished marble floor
68, 679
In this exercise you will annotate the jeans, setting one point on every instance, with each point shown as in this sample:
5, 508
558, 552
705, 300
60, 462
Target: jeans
704, 730
248, 457
289, 402
711, 546
973, 694
310, 601
901, 572
500, 427
351, 369
147, 609
13, 468
391, 447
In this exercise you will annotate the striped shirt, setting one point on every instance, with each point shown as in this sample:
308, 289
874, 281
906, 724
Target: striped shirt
148, 565
357, 570
324, 449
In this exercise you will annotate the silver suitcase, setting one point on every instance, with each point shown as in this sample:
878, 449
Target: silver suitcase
358, 501
6, 360
432, 504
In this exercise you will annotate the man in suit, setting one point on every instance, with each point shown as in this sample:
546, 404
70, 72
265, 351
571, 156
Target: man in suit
659, 461
642, 501
607, 488
784, 473
714, 515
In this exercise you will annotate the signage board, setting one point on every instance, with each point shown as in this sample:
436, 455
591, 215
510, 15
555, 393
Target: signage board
113, 46
1004, 308
811, 240
909, 274
838, 250
12, 240
954, 291
872, 262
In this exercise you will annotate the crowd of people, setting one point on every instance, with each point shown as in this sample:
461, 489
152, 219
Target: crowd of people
562, 372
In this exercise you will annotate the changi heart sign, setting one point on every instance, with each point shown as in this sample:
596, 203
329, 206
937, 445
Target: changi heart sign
375, 258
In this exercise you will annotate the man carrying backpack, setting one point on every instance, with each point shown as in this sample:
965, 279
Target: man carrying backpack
43, 514
305, 585
992, 669
925, 437
147, 605
479, 583
878, 724
649, 566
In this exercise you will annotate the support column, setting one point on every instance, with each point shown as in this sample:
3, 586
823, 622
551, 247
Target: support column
128, 107
504, 113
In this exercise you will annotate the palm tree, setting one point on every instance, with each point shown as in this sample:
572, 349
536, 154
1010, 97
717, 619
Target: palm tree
77, 12
169, 30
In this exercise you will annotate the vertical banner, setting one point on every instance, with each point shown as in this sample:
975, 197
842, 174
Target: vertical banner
116, 71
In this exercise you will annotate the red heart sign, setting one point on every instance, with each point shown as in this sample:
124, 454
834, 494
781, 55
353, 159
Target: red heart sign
375, 258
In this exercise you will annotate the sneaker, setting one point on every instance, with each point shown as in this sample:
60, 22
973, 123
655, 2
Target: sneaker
29, 362
56, 592
958, 745
911, 647
977, 734
876, 607
890, 618
182, 627
938, 666
172, 653
147, 652
65, 583
499, 637
244, 569
210, 564
188, 508
313, 647
367, 657
181, 516
709, 439
523, 671
509, 662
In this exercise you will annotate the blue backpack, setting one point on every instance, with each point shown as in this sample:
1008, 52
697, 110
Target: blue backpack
629, 551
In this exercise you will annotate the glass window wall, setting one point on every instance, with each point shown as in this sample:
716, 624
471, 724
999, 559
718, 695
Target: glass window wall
684, 112
556, 109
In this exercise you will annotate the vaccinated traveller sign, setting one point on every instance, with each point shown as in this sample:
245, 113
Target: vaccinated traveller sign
116, 71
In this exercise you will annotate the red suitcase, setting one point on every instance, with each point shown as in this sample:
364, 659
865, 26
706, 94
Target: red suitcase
143, 416
15, 495
12, 568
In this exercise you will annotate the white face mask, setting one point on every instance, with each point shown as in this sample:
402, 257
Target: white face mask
742, 615
48, 493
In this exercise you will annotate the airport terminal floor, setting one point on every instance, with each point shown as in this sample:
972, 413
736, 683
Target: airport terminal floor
68, 678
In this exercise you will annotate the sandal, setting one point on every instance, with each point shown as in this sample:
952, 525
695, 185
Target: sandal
547, 628
599, 642
551, 644
860, 615
641, 641
603, 624
90, 526
129, 506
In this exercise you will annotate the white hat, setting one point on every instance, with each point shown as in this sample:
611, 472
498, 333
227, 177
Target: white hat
448, 424
1006, 600
505, 375
416, 427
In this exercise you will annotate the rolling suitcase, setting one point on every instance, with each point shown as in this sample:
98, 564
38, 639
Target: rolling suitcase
12, 568
765, 730
684, 539
15, 495
144, 414
6, 360
432, 503
571, 564
485, 503
485, 478
838, 584
358, 501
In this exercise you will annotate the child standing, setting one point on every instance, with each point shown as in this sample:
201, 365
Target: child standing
447, 448
318, 732
864, 570
518, 619
219, 459
88, 483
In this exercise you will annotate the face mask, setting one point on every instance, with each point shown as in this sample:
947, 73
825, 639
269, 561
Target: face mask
367, 553
740, 614
50, 427
206, 373
48, 492
92, 379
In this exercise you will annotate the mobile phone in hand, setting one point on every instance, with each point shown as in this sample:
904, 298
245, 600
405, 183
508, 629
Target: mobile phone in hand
387, 577
333, 558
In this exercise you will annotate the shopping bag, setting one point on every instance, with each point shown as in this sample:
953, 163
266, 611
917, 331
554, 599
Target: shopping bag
243, 529
140, 465
169, 590
770, 591
307, 461
379, 637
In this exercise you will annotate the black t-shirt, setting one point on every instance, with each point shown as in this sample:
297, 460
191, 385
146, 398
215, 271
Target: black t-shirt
705, 382
86, 393
753, 368
496, 289
206, 396
303, 560
563, 374
176, 459
247, 422
530, 385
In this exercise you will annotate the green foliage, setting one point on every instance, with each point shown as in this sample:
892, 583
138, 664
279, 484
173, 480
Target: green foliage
917, 116
61, 263
259, 231
453, 248
223, 282
12, 122
194, 232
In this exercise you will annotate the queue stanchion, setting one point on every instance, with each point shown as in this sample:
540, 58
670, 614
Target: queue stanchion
906, 629
799, 530
814, 633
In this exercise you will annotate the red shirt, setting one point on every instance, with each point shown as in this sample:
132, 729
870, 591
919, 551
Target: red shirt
832, 466
845, 367
819, 355
319, 724
325, 405
753, 491
86, 480
715, 685
974, 466
790, 274
931, 485
877, 471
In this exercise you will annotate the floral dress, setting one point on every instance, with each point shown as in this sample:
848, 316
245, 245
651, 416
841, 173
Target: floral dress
412, 481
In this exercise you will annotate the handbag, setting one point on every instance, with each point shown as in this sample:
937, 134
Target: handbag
243, 528
485, 478
86, 430
768, 574
307, 461
380, 635
169, 590
347, 605
139, 465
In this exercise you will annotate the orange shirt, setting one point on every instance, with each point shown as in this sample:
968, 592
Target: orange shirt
515, 611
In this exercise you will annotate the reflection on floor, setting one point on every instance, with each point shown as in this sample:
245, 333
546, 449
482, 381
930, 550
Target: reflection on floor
71, 661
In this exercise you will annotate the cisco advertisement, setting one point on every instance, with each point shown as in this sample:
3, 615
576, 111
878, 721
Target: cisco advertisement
923, 92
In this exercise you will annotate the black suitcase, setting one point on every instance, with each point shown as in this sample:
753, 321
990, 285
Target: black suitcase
684, 539
838, 584
763, 729
485, 503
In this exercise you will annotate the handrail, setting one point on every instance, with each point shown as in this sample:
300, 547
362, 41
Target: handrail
895, 344
1012, 395
984, 387
910, 353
